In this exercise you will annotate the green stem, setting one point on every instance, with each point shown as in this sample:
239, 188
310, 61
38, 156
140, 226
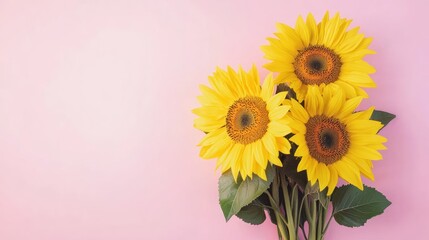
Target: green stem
288, 208
304, 199
320, 223
295, 207
275, 200
312, 221
307, 209
275, 207
303, 232
327, 225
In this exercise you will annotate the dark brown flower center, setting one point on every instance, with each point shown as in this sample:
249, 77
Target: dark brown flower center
247, 120
315, 65
327, 139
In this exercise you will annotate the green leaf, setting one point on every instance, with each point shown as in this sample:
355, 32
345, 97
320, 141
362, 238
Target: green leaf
315, 194
233, 196
353, 207
290, 164
252, 214
264, 201
383, 117
283, 87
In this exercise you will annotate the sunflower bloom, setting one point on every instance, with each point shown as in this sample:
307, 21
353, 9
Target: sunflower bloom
320, 55
333, 140
245, 124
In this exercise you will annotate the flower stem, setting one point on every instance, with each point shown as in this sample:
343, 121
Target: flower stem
288, 208
320, 221
274, 201
325, 228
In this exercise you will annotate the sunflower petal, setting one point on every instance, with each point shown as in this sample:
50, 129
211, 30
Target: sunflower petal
333, 180
302, 30
349, 172
323, 175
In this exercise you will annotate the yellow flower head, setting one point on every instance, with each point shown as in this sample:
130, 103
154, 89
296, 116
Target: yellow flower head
320, 55
245, 124
333, 140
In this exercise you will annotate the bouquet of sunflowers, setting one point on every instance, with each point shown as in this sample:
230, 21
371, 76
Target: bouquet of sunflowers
282, 147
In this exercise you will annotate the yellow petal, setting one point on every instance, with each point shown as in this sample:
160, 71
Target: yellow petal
270, 144
298, 112
298, 139
276, 100
356, 55
331, 30
276, 45
212, 97
278, 128
348, 107
322, 27
302, 150
341, 33
276, 65
248, 159
347, 88
261, 173
365, 139
224, 161
314, 101
278, 112
274, 159
313, 30
323, 175
258, 154
283, 145
267, 88
290, 35
349, 172
333, 180
303, 164
211, 112
303, 32
360, 66
254, 84
358, 79
311, 170
208, 125
297, 127
216, 149
334, 104
236, 155
365, 152
363, 126
213, 137
351, 41
364, 167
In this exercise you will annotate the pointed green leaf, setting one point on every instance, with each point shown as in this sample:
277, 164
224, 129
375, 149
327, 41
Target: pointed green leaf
283, 87
315, 194
233, 196
252, 214
383, 117
264, 201
353, 207
290, 164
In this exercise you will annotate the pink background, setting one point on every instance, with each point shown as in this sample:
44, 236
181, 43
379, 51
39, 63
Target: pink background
96, 136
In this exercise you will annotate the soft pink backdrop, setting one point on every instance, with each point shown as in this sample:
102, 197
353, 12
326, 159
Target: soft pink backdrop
96, 136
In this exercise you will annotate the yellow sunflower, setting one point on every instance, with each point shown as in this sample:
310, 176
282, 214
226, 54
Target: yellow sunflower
333, 140
320, 55
245, 124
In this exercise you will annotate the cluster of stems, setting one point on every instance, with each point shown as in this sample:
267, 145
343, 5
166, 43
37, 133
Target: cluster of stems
289, 203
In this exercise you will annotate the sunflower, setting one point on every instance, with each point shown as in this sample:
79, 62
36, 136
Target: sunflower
320, 55
245, 124
333, 140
